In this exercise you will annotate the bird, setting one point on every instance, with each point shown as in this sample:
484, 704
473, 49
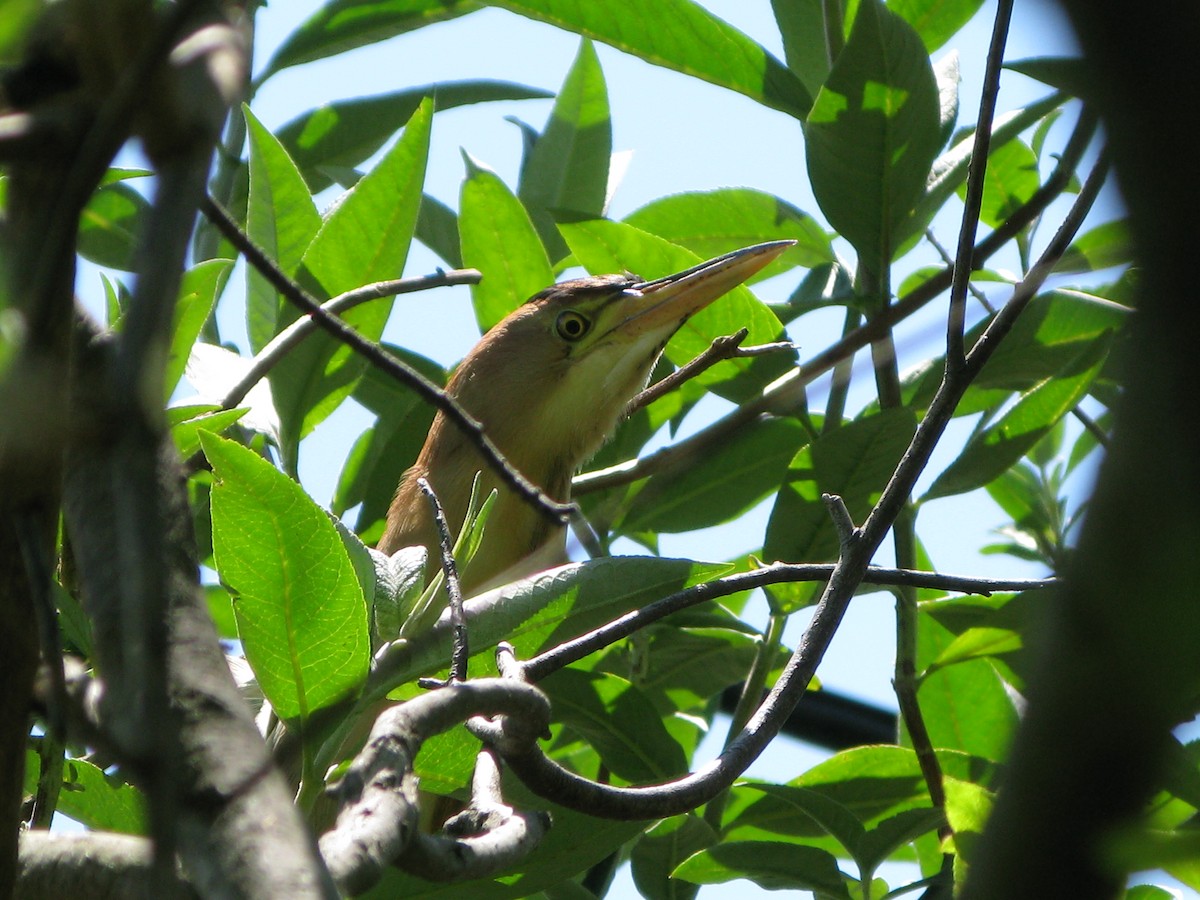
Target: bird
549, 384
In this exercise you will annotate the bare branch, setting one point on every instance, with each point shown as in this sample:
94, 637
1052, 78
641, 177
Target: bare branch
386, 362
283, 343
963, 264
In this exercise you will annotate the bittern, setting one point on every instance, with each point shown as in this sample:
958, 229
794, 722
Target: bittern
549, 384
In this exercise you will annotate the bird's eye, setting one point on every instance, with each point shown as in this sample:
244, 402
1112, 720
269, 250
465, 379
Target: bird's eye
571, 326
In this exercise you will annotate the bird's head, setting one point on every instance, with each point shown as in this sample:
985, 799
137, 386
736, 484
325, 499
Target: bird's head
555, 376
549, 384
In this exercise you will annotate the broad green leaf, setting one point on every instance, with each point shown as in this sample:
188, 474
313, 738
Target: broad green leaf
1005, 441
874, 783
345, 133
281, 219
619, 722
109, 226
437, 229
199, 289
710, 223
854, 462
968, 806
679, 35
365, 238
1107, 245
566, 172
383, 452
802, 27
601, 247
769, 864
683, 668
186, 423
951, 168
979, 642
722, 484
544, 610
661, 849
342, 25
1067, 74
894, 832
967, 706
833, 818
301, 614
89, 796
872, 134
936, 21
16, 17
499, 239
1010, 180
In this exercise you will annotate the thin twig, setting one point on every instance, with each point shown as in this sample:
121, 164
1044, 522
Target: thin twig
842, 522
948, 260
722, 348
963, 264
458, 621
564, 654
389, 364
280, 345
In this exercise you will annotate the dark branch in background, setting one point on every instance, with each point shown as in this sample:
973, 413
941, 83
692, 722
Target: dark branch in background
549, 780
454, 598
785, 393
564, 654
377, 826
283, 343
387, 363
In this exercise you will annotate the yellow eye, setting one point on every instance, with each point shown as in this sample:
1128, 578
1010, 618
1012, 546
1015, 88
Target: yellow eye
571, 326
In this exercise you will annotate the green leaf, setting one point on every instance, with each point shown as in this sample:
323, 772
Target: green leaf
936, 21
345, 133
365, 238
1010, 181
872, 133
342, 25
109, 226
300, 610
951, 168
281, 220
710, 223
679, 35
1064, 73
802, 27
499, 239
661, 849
769, 864
721, 485
551, 607
619, 722
186, 423
601, 246
100, 802
854, 462
437, 229
199, 289
566, 173
1005, 441
1107, 245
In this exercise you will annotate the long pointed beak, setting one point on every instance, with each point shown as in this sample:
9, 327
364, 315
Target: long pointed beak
666, 303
